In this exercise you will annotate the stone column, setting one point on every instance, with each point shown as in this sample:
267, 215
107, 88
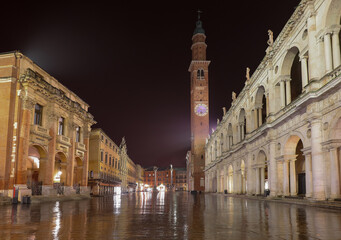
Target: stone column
225, 179
334, 173
308, 175
257, 181
304, 67
260, 120
243, 133
282, 90
262, 180
336, 48
285, 178
288, 91
267, 104
255, 117
273, 169
328, 52
24, 137
317, 160
86, 159
280, 178
52, 118
238, 133
316, 69
71, 154
293, 191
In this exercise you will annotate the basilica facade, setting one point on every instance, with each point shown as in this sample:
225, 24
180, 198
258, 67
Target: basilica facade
282, 133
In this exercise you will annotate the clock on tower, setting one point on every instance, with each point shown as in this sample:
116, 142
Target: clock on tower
199, 106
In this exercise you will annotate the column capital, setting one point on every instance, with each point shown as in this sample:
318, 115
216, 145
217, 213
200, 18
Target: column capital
304, 57
28, 103
331, 144
284, 78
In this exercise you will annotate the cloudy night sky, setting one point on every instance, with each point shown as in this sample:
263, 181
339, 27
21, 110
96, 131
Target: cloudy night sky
129, 61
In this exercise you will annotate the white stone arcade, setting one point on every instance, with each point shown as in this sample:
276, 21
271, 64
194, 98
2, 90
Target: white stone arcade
283, 131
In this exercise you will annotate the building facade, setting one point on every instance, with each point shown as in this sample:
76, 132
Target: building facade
162, 176
104, 171
282, 132
139, 178
44, 132
199, 105
180, 179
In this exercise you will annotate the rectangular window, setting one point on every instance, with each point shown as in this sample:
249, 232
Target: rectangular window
106, 158
78, 134
101, 156
109, 160
61, 122
38, 114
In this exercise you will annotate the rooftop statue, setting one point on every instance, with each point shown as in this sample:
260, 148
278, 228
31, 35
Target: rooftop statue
234, 96
247, 74
271, 38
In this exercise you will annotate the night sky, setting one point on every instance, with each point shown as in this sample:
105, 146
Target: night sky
129, 61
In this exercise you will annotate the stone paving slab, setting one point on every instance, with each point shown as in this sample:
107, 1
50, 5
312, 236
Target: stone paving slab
307, 202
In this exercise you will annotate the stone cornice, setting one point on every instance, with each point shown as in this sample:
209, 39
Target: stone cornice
37, 82
198, 62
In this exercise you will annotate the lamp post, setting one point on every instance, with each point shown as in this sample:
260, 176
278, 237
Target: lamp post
171, 170
155, 172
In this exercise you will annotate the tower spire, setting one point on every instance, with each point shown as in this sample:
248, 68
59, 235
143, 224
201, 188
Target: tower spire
199, 14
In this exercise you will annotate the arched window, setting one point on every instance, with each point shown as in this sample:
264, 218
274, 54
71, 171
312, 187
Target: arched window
200, 74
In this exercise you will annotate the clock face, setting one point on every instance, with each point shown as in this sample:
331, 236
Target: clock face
201, 109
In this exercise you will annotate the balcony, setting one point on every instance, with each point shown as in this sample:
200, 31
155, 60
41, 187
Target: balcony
63, 140
39, 130
39, 135
80, 146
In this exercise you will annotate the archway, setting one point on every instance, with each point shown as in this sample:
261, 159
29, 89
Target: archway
294, 161
59, 174
230, 179
261, 170
77, 172
36, 168
292, 75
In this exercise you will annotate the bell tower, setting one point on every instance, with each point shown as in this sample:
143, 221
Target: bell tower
199, 105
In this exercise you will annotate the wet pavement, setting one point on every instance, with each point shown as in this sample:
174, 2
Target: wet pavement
178, 215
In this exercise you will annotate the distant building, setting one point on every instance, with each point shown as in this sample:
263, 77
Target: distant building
163, 176
180, 179
44, 132
104, 164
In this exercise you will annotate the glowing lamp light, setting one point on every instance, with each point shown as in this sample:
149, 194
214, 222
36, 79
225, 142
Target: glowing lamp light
161, 188
57, 176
